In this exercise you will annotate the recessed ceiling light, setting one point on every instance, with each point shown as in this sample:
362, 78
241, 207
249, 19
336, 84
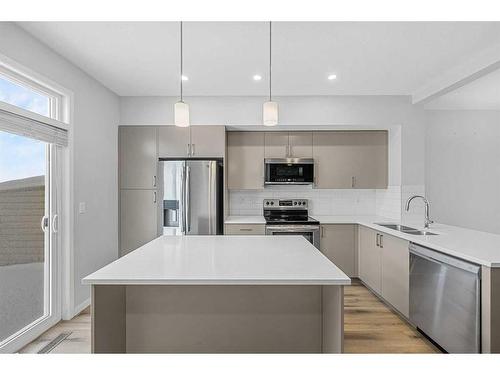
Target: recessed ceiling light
257, 77
331, 77
185, 78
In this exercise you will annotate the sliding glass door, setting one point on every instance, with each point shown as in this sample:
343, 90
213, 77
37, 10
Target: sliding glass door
28, 238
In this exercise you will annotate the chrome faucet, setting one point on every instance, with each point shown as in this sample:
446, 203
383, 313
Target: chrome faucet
427, 221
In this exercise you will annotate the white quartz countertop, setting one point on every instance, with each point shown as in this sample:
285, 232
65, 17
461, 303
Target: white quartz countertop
475, 246
222, 260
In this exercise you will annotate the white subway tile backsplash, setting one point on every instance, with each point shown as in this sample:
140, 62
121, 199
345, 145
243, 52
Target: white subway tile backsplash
380, 202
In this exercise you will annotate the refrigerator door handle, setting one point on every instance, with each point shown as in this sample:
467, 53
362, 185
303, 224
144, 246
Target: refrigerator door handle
183, 200
188, 198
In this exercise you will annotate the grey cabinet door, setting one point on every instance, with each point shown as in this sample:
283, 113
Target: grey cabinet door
333, 159
370, 159
245, 160
138, 218
276, 144
338, 243
396, 273
351, 159
301, 145
244, 229
173, 142
369, 259
138, 160
208, 141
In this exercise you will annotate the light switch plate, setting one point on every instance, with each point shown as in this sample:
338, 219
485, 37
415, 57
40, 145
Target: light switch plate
82, 207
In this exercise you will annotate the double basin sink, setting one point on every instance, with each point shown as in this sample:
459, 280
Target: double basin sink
407, 230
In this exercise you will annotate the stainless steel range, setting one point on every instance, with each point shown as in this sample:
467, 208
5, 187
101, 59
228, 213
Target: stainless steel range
285, 217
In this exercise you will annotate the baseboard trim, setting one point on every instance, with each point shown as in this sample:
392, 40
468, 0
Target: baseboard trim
78, 309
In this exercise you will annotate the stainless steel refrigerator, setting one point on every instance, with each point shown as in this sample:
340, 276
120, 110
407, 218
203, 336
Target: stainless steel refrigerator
192, 192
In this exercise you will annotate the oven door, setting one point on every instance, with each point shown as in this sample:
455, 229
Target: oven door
309, 232
291, 171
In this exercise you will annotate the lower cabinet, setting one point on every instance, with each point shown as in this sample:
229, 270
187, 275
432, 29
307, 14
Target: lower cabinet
338, 243
370, 255
244, 229
396, 272
138, 218
384, 266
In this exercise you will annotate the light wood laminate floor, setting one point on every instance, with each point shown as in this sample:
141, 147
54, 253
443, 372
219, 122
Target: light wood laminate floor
369, 327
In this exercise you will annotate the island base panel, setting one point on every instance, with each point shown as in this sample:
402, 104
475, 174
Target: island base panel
108, 319
219, 319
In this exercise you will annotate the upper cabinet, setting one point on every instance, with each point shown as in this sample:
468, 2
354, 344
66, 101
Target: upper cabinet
207, 141
173, 141
137, 157
288, 144
276, 144
351, 159
245, 160
300, 144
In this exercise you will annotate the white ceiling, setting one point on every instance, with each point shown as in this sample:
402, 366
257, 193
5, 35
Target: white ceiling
483, 93
220, 58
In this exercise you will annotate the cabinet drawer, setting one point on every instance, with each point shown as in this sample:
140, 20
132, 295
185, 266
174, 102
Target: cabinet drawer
244, 229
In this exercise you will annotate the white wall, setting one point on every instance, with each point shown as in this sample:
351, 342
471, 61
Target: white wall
371, 111
463, 168
95, 155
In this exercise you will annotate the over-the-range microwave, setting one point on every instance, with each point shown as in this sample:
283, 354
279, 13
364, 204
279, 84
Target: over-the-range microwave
289, 171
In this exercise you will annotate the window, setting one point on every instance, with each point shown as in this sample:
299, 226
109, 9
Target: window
23, 97
23, 92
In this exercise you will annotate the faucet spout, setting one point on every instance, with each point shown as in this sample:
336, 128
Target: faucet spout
427, 221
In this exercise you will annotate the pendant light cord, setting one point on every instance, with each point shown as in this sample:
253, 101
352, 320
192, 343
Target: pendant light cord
270, 61
181, 62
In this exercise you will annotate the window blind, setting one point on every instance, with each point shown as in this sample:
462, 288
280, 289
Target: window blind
13, 120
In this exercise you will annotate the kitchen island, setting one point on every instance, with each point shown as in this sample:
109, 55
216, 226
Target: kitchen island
219, 294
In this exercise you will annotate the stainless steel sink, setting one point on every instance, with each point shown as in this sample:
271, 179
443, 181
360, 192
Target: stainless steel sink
419, 232
398, 227
407, 230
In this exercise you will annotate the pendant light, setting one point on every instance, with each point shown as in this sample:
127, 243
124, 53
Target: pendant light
181, 109
270, 108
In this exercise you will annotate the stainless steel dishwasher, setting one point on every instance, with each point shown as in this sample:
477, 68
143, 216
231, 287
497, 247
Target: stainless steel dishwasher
445, 297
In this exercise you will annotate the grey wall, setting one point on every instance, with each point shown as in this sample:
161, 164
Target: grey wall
376, 111
95, 153
463, 168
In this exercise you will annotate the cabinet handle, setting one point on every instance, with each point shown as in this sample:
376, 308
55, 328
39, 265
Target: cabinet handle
245, 229
189, 149
353, 181
381, 241
154, 181
378, 240
154, 196
322, 232
192, 149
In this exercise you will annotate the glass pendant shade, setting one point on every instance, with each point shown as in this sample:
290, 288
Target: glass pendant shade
270, 113
181, 114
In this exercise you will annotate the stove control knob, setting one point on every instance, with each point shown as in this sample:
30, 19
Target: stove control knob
267, 203
272, 203
294, 203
